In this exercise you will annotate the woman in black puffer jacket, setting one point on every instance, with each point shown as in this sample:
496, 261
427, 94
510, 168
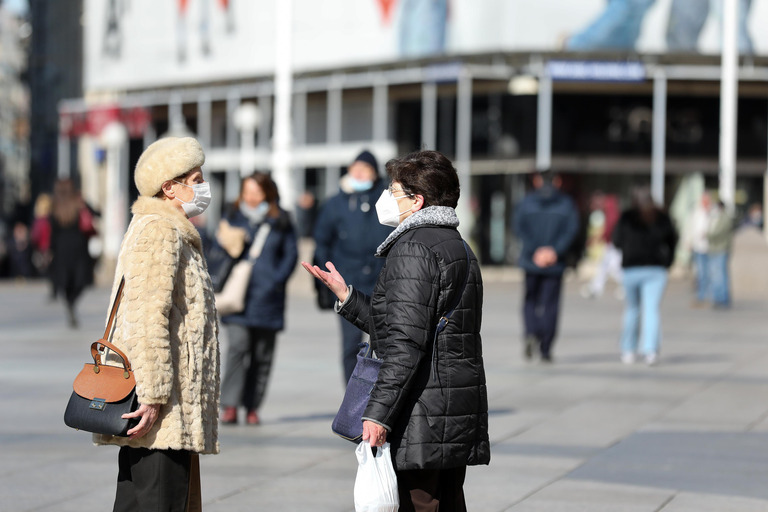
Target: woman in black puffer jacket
430, 400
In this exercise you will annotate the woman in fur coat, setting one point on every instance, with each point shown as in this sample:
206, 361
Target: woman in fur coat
166, 324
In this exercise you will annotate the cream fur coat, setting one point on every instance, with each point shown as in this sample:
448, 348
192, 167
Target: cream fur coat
166, 324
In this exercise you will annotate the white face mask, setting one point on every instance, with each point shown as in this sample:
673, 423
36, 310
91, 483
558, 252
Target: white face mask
388, 210
199, 202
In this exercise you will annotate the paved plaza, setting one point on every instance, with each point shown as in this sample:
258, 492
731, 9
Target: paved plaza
584, 434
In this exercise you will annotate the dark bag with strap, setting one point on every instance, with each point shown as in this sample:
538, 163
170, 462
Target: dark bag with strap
348, 422
103, 393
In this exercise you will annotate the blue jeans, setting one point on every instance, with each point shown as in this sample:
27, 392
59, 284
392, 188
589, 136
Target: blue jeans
718, 272
617, 28
701, 261
644, 288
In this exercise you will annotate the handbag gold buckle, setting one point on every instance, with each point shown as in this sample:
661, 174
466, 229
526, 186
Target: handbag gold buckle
98, 404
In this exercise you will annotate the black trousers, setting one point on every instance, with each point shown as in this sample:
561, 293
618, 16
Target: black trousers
152, 480
430, 490
248, 366
542, 308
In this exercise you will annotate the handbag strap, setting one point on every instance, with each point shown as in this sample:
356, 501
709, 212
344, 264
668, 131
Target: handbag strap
443, 322
258, 242
95, 352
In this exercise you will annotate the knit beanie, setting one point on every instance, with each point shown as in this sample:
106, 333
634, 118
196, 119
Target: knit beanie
165, 160
368, 158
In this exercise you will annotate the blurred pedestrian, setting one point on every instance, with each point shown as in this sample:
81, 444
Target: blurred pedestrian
720, 238
256, 219
430, 399
347, 233
546, 222
647, 239
606, 208
20, 252
166, 325
697, 241
41, 235
72, 224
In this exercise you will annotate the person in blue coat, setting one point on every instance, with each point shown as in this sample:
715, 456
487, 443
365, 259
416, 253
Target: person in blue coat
546, 222
253, 332
348, 232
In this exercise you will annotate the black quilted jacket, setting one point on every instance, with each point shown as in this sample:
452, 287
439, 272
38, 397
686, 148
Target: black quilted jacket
432, 398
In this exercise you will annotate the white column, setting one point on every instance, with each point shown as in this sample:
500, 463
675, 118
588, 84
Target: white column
281, 170
265, 123
658, 151
333, 128
232, 180
114, 138
246, 120
63, 170
464, 149
429, 115
380, 111
544, 122
204, 120
729, 102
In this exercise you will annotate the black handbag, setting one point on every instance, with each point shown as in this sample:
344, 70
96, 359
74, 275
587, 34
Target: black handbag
103, 393
348, 423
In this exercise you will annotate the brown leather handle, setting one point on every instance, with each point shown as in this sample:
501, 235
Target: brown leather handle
115, 305
96, 353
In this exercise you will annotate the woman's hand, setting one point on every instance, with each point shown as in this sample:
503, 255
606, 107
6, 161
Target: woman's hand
148, 415
332, 279
374, 432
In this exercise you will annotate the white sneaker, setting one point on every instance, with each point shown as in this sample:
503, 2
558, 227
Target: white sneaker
652, 359
628, 358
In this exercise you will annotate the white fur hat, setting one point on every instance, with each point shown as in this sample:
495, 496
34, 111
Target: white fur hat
164, 160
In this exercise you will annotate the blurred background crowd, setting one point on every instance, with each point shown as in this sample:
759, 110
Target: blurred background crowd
608, 95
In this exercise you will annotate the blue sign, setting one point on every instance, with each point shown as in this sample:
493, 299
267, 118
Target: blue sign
596, 71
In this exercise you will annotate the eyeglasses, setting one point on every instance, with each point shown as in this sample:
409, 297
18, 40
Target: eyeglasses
394, 191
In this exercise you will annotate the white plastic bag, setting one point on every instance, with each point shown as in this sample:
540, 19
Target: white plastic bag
376, 483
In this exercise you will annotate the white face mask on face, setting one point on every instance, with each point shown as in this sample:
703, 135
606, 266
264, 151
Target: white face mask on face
199, 202
388, 210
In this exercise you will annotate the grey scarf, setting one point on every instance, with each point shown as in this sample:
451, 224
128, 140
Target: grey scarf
431, 216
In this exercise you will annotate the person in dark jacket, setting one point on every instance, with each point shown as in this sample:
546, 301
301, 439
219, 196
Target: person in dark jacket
71, 268
647, 239
430, 400
253, 332
546, 222
347, 233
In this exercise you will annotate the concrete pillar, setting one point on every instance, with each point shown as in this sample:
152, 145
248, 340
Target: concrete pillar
464, 150
429, 115
729, 103
544, 122
658, 151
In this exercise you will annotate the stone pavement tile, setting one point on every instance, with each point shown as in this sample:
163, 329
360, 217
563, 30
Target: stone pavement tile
733, 463
583, 496
594, 423
737, 403
686, 502
511, 477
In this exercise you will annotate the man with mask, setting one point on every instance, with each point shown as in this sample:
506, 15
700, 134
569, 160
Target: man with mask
348, 232
546, 222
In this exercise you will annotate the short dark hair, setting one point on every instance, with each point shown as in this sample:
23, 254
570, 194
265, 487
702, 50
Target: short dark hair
429, 174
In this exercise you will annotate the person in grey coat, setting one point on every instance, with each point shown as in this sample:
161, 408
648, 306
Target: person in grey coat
430, 400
